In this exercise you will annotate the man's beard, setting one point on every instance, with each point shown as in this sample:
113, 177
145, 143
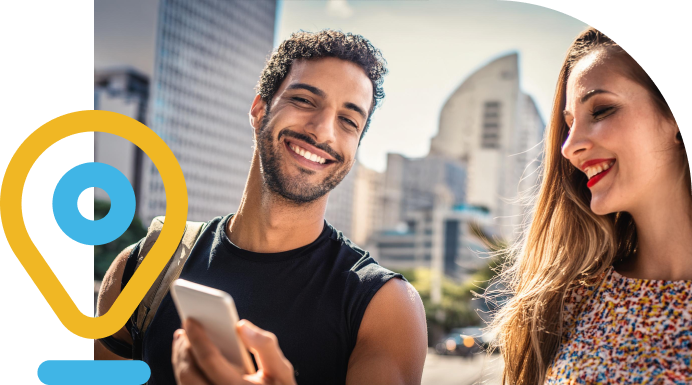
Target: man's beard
294, 189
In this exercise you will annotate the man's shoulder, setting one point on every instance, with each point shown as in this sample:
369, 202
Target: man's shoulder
347, 246
360, 263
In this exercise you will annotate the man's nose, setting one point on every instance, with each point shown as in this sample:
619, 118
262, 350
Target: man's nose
322, 126
578, 141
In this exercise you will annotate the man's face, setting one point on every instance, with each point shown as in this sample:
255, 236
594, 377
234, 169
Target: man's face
307, 143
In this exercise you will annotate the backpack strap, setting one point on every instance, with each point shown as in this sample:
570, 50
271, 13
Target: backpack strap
144, 314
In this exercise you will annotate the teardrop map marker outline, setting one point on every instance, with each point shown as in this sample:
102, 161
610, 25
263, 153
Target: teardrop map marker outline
27, 253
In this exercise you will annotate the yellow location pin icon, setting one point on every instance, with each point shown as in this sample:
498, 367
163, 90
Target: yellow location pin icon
29, 256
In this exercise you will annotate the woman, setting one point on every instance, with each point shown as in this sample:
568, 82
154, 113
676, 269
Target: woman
601, 281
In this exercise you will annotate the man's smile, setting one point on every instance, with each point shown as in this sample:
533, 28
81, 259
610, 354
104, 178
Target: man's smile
308, 155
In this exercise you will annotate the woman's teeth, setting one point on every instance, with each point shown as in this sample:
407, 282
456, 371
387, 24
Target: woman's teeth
597, 169
307, 155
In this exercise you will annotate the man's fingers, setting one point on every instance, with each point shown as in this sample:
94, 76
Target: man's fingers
265, 346
209, 358
184, 366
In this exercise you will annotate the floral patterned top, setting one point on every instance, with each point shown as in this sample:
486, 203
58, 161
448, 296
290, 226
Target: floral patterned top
626, 331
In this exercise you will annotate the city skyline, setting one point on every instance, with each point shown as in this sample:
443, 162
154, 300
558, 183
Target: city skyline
415, 83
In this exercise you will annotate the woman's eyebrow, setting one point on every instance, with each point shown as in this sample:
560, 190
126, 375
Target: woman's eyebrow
591, 93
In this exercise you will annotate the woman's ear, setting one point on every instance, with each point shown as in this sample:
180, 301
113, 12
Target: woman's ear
257, 112
678, 138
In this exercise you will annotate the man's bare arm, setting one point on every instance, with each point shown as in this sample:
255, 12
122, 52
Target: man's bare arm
110, 290
392, 341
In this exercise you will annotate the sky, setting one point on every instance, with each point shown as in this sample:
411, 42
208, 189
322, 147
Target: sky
431, 46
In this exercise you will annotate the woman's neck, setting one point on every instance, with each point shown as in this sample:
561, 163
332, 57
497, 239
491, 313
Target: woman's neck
664, 239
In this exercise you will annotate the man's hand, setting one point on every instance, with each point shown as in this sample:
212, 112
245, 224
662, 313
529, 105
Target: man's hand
197, 361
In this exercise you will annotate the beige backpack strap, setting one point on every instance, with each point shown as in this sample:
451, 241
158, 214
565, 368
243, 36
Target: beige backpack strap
147, 308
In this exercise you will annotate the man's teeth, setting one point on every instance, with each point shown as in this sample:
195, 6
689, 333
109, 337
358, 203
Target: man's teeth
597, 169
307, 154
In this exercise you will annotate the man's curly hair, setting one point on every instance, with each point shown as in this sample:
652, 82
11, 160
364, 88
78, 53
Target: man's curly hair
325, 43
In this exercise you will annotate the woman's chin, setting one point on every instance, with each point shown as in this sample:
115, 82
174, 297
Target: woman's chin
600, 206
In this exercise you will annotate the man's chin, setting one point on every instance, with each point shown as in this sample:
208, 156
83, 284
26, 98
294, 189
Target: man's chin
300, 198
298, 193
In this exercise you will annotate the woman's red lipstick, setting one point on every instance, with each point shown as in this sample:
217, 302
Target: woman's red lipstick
597, 177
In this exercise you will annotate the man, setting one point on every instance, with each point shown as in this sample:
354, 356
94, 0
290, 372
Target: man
329, 313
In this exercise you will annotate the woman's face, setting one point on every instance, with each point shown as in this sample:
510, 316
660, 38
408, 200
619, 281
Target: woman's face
618, 138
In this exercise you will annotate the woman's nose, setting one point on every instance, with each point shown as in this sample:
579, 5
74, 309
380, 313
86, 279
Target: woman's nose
577, 142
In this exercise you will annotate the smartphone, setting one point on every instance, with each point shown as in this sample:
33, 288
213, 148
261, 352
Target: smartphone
215, 311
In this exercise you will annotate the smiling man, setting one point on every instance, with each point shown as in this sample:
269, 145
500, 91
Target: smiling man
326, 312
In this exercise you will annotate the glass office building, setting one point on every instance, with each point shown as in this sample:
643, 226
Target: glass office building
209, 55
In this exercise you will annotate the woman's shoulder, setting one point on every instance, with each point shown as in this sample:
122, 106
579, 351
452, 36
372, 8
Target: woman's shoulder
579, 295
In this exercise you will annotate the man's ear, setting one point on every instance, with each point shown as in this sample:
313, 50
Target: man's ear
257, 112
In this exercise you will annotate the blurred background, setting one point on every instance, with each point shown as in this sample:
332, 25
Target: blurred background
434, 192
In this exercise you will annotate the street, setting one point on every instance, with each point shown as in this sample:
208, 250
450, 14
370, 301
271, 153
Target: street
453, 370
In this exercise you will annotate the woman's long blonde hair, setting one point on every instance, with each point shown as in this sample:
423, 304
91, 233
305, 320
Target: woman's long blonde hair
566, 244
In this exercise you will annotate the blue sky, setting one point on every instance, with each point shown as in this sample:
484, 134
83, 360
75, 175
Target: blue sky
431, 47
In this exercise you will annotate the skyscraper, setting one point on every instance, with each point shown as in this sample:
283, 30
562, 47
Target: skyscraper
339, 212
367, 203
413, 184
490, 124
126, 91
209, 55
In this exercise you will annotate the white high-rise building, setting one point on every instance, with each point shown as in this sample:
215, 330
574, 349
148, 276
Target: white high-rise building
339, 211
413, 184
490, 124
209, 56
367, 203
126, 91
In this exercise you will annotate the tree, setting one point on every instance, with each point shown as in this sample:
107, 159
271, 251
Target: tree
105, 254
461, 302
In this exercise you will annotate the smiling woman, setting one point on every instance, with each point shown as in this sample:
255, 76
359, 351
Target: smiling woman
610, 236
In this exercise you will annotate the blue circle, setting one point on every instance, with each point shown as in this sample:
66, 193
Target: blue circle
71, 186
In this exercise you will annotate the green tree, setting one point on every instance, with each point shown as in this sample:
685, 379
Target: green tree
456, 308
105, 254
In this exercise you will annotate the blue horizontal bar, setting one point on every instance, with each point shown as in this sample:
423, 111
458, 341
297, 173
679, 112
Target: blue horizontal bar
94, 372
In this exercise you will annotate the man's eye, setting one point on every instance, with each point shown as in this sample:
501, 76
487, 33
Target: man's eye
350, 122
301, 100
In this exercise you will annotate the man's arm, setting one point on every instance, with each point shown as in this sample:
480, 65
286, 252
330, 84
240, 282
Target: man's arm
110, 290
392, 340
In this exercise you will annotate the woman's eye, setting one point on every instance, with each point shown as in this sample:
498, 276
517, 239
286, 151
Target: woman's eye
601, 113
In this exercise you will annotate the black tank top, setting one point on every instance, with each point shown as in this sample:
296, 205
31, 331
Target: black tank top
313, 298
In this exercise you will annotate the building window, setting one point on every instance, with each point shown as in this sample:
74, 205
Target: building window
396, 245
451, 247
491, 125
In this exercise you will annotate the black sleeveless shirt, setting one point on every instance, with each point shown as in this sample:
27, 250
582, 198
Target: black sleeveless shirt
313, 298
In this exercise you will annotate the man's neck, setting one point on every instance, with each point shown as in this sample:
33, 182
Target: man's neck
267, 223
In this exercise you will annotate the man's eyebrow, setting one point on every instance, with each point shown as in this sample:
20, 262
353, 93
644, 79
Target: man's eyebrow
591, 93
357, 109
320, 93
307, 87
